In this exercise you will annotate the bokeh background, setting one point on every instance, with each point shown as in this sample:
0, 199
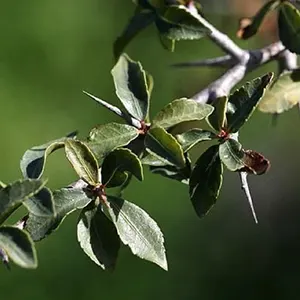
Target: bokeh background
52, 50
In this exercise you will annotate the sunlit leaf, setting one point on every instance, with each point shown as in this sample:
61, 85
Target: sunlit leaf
18, 246
232, 155
13, 195
206, 181
83, 161
138, 230
179, 111
33, 161
217, 119
164, 146
66, 201
131, 85
283, 94
244, 101
98, 237
192, 137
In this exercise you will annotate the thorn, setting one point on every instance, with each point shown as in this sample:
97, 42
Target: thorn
223, 61
245, 187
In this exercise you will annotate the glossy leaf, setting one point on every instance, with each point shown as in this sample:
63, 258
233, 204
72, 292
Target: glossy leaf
178, 23
13, 195
179, 111
140, 20
33, 161
131, 85
121, 160
138, 230
105, 138
217, 119
283, 95
250, 26
244, 101
41, 204
192, 137
83, 161
289, 26
153, 160
66, 201
98, 237
206, 181
18, 246
164, 146
232, 155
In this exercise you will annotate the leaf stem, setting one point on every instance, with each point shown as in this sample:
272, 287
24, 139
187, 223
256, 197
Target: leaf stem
245, 187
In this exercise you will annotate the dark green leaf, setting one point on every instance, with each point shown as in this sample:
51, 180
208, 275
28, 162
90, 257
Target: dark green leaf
131, 85
190, 138
289, 26
178, 23
232, 154
105, 138
250, 26
164, 146
33, 161
122, 160
206, 181
139, 21
13, 195
66, 201
137, 230
171, 172
217, 120
283, 95
153, 160
98, 237
41, 204
18, 246
181, 110
244, 101
83, 161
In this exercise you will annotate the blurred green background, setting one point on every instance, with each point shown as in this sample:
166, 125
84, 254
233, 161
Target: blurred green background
52, 50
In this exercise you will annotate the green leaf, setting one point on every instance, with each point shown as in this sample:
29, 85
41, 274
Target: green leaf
167, 43
190, 138
171, 172
289, 26
121, 160
206, 181
179, 111
244, 101
33, 161
253, 24
131, 85
2, 185
105, 138
164, 146
283, 94
41, 204
18, 246
153, 160
83, 161
139, 21
232, 155
178, 23
13, 195
137, 230
98, 237
66, 201
217, 120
